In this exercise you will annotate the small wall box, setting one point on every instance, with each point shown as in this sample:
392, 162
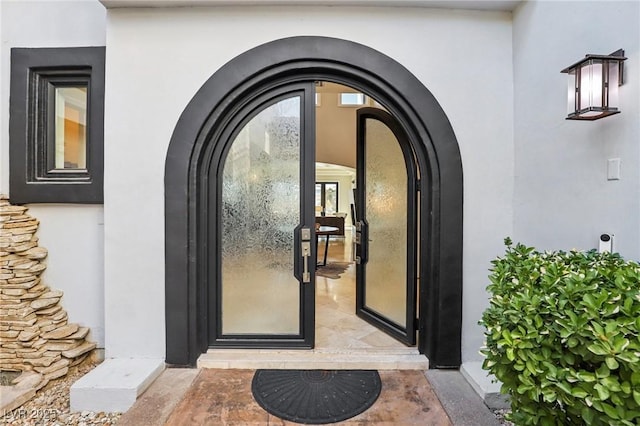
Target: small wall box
606, 243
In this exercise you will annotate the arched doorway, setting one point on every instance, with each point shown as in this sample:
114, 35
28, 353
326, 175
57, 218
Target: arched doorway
192, 155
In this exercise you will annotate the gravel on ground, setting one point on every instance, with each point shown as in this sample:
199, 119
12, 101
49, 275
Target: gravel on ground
50, 405
500, 415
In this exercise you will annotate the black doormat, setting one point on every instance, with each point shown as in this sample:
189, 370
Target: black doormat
316, 396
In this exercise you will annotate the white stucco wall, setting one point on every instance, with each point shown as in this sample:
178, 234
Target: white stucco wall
562, 196
156, 61
528, 172
73, 234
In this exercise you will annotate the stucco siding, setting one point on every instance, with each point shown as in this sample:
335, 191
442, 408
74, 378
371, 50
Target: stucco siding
73, 234
156, 61
563, 199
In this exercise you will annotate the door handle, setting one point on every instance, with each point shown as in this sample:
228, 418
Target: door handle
362, 242
306, 254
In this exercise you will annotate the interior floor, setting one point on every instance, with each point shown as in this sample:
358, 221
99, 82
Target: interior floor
337, 326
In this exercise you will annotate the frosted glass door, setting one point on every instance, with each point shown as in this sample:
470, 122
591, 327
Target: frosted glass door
261, 195
386, 219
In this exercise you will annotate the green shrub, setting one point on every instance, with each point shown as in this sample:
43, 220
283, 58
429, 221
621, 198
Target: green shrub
562, 336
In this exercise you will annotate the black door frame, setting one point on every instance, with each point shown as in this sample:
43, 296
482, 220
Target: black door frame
220, 150
301, 59
407, 333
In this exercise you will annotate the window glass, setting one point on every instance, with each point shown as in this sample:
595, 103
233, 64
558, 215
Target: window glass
71, 128
331, 198
319, 203
352, 99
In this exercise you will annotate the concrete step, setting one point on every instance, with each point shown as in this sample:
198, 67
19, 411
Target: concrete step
397, 359
463, 405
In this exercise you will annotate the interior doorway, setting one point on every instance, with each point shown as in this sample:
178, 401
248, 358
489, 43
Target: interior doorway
338, 326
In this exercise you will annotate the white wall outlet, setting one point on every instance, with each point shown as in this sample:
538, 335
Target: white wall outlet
613, 169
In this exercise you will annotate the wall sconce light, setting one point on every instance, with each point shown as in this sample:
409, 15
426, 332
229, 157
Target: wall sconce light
593, 86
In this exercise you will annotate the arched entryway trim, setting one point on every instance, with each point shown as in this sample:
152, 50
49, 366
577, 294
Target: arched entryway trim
303, 59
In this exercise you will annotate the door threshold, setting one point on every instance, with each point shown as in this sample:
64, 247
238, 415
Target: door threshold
315, 359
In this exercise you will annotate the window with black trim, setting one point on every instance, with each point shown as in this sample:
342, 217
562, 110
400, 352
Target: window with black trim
326, 197
56, 125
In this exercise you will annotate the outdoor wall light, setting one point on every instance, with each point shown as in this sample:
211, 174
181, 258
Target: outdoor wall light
593, 86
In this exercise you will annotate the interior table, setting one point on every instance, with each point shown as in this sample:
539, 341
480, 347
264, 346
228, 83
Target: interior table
325, 231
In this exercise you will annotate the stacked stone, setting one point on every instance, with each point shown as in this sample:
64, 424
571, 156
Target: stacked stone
35, 336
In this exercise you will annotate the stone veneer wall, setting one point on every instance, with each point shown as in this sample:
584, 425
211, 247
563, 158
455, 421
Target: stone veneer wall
34, 333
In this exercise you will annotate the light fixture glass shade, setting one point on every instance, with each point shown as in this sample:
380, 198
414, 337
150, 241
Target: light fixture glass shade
614, 82
572, 99
593, 86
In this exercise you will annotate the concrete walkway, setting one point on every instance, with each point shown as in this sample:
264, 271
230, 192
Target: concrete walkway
223, 397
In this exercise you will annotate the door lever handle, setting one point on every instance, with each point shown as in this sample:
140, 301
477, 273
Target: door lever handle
306, 254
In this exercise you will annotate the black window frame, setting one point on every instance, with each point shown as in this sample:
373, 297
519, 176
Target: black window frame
323, 196
35, 74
